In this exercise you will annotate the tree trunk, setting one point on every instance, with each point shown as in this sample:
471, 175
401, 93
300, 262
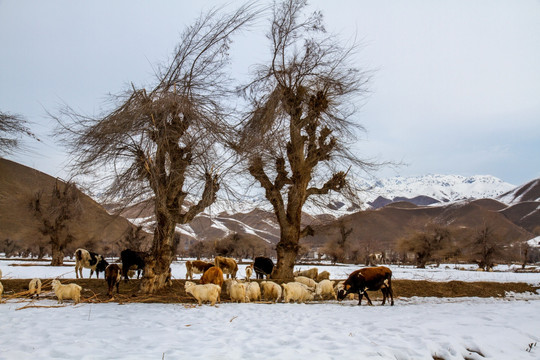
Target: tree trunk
57, 254
158, 263
287, 251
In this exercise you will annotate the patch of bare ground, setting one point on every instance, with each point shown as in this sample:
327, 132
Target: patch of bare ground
95, 290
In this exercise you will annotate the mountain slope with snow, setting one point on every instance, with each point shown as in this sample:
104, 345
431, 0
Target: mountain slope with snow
443, 188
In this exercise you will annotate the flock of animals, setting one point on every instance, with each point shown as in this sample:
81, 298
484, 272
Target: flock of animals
220, 277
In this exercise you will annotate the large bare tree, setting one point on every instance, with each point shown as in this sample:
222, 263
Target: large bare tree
298, 133
164, 141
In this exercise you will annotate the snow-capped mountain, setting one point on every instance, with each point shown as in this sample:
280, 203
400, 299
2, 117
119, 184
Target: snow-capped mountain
443, 188
527, 192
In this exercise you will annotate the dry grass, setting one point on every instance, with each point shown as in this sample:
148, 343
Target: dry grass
95, 290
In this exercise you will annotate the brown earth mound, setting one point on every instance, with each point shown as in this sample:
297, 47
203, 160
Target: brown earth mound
95, 290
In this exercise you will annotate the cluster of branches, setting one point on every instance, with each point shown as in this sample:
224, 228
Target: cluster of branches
13, 127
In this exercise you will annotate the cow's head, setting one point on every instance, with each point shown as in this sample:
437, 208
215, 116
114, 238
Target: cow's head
343, 292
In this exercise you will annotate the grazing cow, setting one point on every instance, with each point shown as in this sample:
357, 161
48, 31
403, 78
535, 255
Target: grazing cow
206, 292
34, 286
271, 291
263, 266
113, 274
228, 265
310, 273
196, 267
69, 291
132, 260
89, 260
214, 275
369, 278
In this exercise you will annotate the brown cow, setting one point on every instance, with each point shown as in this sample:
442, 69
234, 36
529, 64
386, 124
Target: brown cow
228, 265
369, 278
214, 275
113, 274
196, 267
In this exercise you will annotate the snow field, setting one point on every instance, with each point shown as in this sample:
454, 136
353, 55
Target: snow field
413, 329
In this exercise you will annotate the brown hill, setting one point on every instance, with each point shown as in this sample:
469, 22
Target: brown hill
527, 192
381, 229
526, 215
95, 228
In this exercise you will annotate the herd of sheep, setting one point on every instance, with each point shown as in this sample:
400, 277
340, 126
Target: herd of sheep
308, 285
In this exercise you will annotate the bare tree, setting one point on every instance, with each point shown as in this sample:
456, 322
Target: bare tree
486, 246
297, 135
54, 212
338, 248
161, 141
431, 244
12, 128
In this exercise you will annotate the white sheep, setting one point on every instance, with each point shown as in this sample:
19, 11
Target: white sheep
237, 291
206, 292
68, 291
34, 287
271, 291
325, 290
310, 273
253, 292
323, 275
310, 283
296, 291
249, 272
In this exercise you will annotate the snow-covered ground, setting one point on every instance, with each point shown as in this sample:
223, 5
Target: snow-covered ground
415, 328
412, 329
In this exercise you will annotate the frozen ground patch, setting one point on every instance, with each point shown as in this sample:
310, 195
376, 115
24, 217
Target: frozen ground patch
415, 328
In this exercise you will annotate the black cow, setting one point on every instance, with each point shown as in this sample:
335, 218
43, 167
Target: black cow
263, 266
130, 258
370, 278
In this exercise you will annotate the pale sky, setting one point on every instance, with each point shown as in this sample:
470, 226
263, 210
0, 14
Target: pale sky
455, 87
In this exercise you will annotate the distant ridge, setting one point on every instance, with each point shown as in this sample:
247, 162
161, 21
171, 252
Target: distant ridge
527, 192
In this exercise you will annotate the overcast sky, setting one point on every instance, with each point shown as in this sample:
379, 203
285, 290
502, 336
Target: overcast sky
455, 88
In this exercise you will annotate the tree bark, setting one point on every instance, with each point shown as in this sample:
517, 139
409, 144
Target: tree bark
156, 270
286, 254
57, 254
